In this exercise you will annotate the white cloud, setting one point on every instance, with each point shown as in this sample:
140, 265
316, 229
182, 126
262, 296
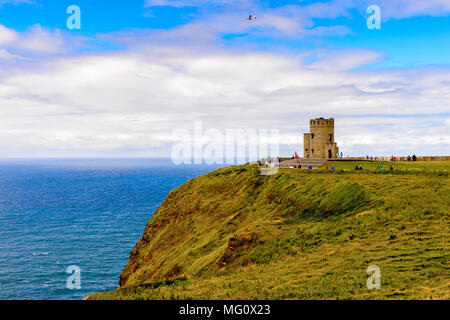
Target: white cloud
128, 104
38, 39
35, 39
5, 55
15, 2
7, 35
447, 122
346, 60
409, 8
220, 17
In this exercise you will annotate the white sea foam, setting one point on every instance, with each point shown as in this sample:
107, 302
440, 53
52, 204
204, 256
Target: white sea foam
40, 253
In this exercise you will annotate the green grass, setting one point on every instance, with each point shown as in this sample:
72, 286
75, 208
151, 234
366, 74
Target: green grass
299, 234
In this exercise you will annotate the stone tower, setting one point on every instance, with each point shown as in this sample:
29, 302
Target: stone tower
319, 142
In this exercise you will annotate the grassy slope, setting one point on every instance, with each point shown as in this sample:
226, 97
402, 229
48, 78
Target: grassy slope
234, 234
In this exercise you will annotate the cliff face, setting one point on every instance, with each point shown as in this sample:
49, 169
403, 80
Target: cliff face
213, 220
236, 234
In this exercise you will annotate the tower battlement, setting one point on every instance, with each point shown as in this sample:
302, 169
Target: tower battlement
319, 122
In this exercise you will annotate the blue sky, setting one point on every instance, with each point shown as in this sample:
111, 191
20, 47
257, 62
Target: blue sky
321, 53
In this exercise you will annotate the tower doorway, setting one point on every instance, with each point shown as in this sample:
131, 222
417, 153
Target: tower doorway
329, 154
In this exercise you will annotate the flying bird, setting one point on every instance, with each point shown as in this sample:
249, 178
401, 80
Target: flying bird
250, 17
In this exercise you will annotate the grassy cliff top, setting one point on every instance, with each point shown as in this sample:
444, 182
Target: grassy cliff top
298, 234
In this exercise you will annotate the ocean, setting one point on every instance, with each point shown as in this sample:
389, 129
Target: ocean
85, 213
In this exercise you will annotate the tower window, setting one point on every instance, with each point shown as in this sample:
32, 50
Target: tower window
312, 135
312, 150
330, 137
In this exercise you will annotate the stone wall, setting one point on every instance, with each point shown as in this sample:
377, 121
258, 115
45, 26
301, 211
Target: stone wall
319, 142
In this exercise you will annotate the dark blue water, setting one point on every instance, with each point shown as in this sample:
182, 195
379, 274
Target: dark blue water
88, 213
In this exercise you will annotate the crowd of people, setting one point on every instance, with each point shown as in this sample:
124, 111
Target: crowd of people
359, 167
